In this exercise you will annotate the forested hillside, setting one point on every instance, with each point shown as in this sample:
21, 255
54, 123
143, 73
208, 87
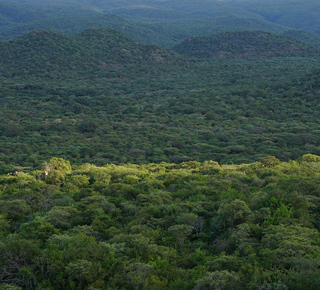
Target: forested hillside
165, 226
159, 144
100, 97
93, 52
244, 44
305, 36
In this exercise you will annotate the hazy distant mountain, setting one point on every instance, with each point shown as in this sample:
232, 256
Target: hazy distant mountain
299, 14
165, 23
145, 24
18, 19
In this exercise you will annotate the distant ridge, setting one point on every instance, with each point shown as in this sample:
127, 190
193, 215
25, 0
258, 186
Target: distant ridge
297, 14
158, 22
19, 19
243, 44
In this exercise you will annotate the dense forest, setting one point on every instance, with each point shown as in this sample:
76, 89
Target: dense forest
245, 44
156, 144
162, 226
101, 97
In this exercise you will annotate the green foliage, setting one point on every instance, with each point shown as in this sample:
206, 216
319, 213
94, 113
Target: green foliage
80, 180
309, 158
284, 245
82, 271
38, 228
15, 209
55, 177
100, 97
58, 164
4, 225
60, 216
234, 213
18, 260
161, 226
180, 233
269, 161
219, 280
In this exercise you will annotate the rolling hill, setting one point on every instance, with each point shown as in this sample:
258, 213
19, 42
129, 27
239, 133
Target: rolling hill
96, 51
192, 168
243, 44
102, 97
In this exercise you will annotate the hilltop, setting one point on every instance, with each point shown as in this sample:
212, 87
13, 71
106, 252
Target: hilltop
95, 51
243, 44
